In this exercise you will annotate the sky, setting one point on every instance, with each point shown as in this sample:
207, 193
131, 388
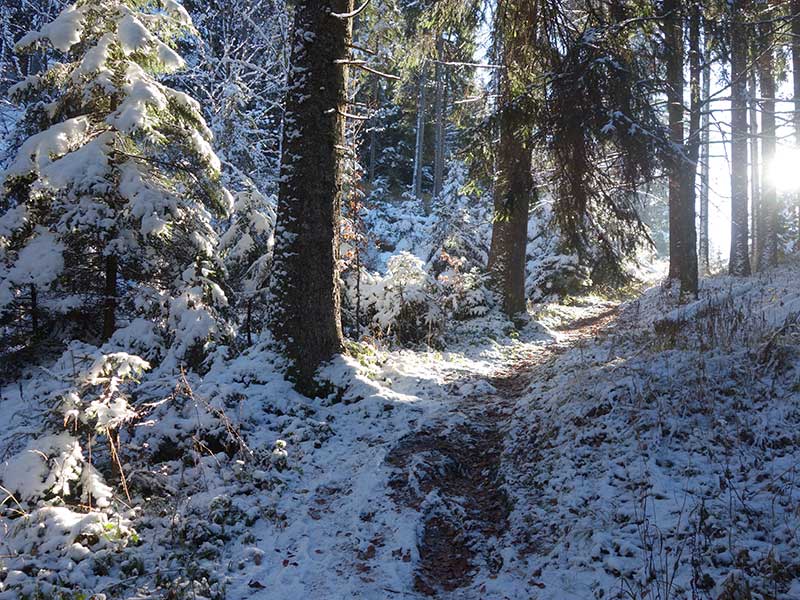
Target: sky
785, 171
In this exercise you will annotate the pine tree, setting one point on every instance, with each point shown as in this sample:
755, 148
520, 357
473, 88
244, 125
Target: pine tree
107, 209
766, 254
682, 164
513, 191
305, 315
739, 260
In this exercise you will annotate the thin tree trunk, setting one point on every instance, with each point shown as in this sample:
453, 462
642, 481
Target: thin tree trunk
441, 117
690, 277
34, 311
682, 171
739, 263
420, 144
755, 173
373, 132
110, 297
705, 164
796, 82
767, 239
305, 304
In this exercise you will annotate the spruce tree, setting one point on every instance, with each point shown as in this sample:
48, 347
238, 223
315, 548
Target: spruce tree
107, 210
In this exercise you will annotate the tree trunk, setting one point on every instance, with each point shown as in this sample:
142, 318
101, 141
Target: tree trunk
34, 311
110, 297
441, 118
705, 163
796, 82
512, 195
305, 315
693, 151
373, 132
767, 237
682, 170
739, 263
420, 145
755, 174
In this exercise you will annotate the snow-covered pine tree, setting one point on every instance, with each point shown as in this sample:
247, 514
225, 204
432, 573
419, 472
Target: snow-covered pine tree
106, 213
246, 247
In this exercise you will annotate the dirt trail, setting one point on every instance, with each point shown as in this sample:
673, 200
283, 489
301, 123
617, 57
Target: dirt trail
451, 473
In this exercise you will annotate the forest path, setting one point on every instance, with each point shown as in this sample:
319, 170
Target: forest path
450, 471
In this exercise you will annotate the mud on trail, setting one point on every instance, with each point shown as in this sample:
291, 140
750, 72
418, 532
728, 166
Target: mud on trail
452, 473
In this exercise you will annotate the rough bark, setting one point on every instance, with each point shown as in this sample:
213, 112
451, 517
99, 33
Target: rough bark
305, 301
755, 173
419, 148
767, 237
513, 189
739, 263
705, 165
441, 116
795, 7
682, 169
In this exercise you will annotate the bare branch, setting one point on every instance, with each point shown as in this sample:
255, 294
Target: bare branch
350, 15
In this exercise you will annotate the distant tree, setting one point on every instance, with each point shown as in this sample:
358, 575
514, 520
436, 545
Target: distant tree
795, 29
766, 254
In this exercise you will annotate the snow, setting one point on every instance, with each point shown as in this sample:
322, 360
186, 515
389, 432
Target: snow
132, 35
142, 95
41, 149
607, 445
86, 169
39, 262
64, 32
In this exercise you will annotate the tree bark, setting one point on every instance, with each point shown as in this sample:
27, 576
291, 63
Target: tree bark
755, 173
513, 189
419, 149
705, 162
682, 169
795, 7
441, 117
767, 237
373, 131
305, 304
739, 263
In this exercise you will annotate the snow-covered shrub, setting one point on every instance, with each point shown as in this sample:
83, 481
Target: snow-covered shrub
56, 482
403, 304
396, 226
551, 270
108, 207
463, 294
246, 247
462, 225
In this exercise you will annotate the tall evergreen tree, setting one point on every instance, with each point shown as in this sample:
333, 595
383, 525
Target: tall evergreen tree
108, 206
515, 28
766, 254
739, 263
682, 165
305, 315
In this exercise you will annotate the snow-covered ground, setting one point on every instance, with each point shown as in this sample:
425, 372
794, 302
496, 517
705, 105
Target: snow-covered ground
638, 451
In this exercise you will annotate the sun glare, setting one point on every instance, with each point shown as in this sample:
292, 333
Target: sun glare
785, 169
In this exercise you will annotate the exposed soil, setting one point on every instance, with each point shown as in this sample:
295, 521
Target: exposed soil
452, 474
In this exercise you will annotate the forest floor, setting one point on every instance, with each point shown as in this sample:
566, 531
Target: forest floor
607, 449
